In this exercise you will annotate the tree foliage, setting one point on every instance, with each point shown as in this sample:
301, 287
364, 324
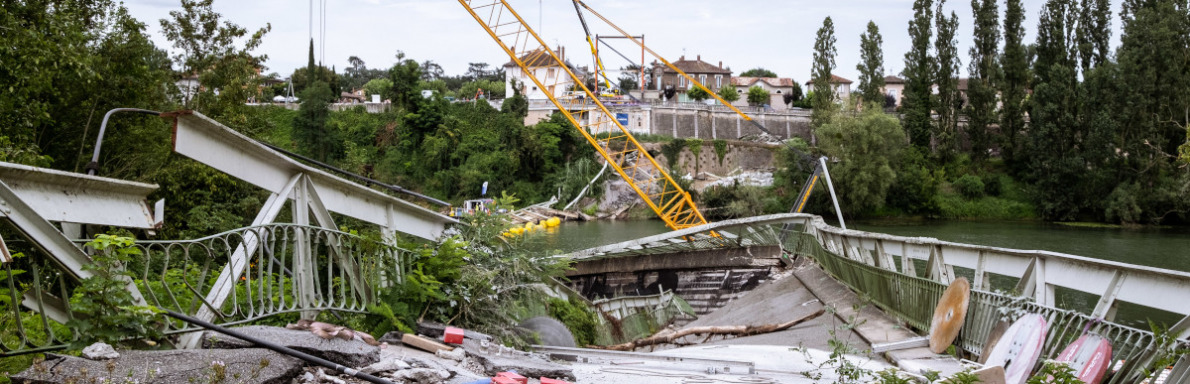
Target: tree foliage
206, 46
698, 94
729, 93
866, 147
871, 65
824, 63
758, 72
757, 96
1012, 88
984, 69
947, 80
919, 76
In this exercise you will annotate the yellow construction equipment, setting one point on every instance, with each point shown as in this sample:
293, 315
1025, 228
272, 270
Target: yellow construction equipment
612, 140
628, 36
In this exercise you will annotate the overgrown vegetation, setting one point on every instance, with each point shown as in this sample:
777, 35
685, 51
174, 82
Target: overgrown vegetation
105, 310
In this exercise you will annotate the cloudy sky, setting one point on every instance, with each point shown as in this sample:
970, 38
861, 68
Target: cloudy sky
774, 34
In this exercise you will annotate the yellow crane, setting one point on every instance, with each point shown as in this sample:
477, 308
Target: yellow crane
689, 78
612, 140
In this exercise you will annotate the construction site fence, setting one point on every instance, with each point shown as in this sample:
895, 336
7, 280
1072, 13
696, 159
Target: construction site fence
240, 276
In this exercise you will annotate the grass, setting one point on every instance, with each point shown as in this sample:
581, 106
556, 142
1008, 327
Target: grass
1011, 204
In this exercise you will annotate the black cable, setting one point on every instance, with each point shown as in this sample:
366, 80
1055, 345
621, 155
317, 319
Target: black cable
279, 348
365, 179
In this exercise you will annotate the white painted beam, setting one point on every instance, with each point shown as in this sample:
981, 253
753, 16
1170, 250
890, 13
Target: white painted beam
76, 198
202, 139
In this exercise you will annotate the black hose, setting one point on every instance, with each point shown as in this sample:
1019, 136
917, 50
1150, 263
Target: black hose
368, 180
280, 349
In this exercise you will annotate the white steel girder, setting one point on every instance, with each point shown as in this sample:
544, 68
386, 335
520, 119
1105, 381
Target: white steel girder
205, 140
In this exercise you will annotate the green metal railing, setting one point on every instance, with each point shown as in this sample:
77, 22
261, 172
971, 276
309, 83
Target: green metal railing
868, 264
283, 268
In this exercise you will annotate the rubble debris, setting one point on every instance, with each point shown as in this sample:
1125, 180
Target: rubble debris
759, 179
100, 351
669, 336
422, 375
349, 353
256, 365
330, 331
498, 358
424, 344
388, 365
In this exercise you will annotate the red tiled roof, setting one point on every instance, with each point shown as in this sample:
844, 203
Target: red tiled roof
771, 81
695, 66
893, 80
535, 58
835, 79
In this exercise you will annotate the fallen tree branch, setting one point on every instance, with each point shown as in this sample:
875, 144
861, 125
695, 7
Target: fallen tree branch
669, 337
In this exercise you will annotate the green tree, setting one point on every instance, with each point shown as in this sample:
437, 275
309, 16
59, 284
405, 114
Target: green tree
824, 63
377, 87
758, 72
404, 75
697, 94
919, 76
1016, 79
871, 66
63, 64
985, 74
310, 131
1055, 166
729, 93
517, 105
866, 147
757, 96
206, 46
1094, 33
947, 79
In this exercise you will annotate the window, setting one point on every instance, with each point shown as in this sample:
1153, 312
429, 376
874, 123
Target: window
702, 79
718, 81
778, 91
681, 81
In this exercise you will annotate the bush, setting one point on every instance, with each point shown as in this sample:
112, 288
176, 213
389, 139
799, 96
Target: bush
993, 186
969, 186
579, 319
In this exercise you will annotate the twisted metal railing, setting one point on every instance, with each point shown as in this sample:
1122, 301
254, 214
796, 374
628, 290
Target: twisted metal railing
342, 273
884, 269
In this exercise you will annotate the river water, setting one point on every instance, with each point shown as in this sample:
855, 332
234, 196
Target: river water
1155, 247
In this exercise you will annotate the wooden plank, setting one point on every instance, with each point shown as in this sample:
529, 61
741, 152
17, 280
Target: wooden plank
425, 344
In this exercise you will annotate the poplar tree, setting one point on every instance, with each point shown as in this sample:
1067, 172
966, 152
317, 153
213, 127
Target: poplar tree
871, 66
1094, 33
985, 72
1015, 67
824, 63
1056, 168
919, 76
946, 77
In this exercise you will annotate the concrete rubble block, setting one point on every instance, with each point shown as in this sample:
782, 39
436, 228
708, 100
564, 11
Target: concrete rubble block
350, 353
457, 354
100, 351
524, 363
253, 365
387, 365
422, 375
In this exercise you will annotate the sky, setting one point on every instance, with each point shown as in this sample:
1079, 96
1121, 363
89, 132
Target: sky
774, 34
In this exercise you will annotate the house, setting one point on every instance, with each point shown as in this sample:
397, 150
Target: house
547, 70
895, 87
353, 97
711, 76
777, 87
841, 87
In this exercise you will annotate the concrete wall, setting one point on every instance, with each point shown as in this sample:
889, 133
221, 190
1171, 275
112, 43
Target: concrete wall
740, 155
723, 123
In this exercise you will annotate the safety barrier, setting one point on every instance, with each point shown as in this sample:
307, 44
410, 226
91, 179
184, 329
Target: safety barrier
884, 269
272, 269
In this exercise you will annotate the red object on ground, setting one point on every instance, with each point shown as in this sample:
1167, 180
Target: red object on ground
453, 335
514, 376
546, 380
504, 380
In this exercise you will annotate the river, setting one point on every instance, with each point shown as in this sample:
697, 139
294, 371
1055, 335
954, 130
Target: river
1155, 247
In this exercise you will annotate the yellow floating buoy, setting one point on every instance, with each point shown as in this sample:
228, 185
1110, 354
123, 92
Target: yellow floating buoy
553, 222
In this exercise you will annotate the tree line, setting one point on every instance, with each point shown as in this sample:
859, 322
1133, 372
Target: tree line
1094, 132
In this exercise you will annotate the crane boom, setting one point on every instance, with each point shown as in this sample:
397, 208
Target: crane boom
601, 129
670, 65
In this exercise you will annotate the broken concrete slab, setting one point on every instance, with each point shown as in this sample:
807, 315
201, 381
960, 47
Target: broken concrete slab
168, 367
100, 351
350, 353
524, 363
